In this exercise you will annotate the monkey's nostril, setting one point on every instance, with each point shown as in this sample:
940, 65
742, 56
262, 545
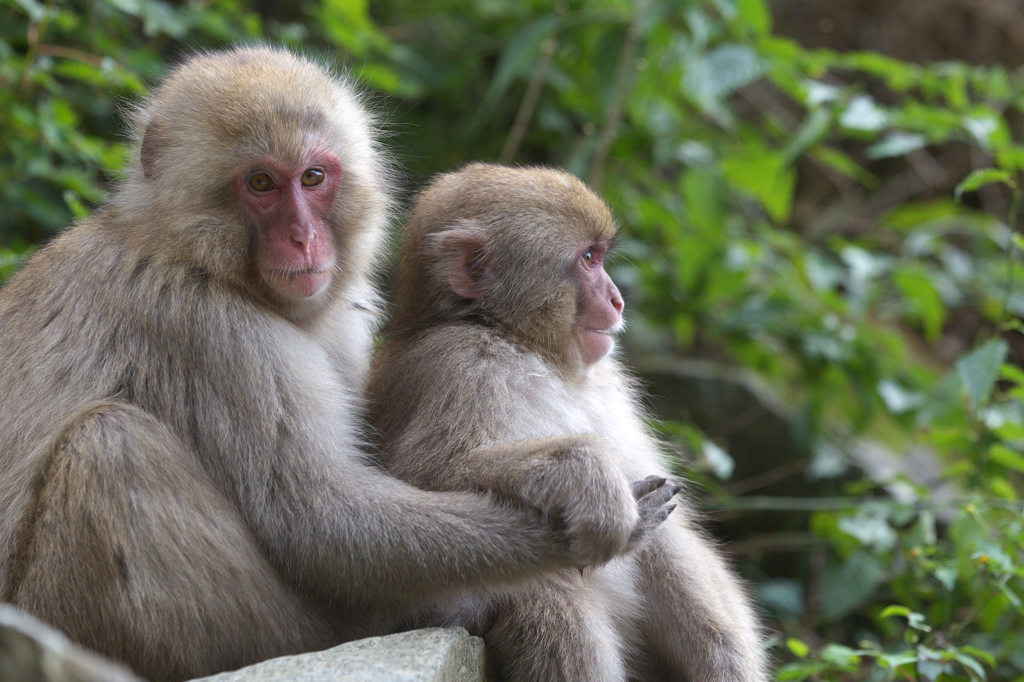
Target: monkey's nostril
303, 238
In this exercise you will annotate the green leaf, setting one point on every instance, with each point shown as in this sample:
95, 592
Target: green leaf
844, 164
701, 192
895, 660
870, 527
348, 24
799, 649
755, 14
841, 656
897, 399
764, 174
896, 144
863, 114
979, 653
984, 176
930, 670
722, 71
1013, 373
386, 79
983, 128
979, 370
796, 672
848, 585
1011, 459
811, 131
947, 575
970, 664
922, 298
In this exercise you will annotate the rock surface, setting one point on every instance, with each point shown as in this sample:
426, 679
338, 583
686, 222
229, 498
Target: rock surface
32, 650
429, 655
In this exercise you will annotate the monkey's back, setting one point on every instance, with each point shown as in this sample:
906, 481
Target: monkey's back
118, 325
49, 361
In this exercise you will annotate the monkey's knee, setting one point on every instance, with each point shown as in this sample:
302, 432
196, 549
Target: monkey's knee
107, 435
131, 549
103, 495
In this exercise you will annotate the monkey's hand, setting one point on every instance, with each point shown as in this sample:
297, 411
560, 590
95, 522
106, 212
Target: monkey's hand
574, 481
653, 496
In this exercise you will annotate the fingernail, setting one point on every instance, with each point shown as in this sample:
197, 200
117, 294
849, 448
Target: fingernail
676, 489
671, 508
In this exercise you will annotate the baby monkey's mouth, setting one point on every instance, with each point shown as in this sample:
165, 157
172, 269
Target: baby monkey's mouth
613, 330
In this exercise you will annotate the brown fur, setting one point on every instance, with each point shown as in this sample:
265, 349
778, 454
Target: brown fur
182, 479
458, 380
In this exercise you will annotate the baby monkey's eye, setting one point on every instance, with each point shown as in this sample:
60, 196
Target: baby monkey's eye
588, 257
313, 176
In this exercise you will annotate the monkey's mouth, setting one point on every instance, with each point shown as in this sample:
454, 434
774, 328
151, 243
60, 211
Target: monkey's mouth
299, 282
298, 272
613, 330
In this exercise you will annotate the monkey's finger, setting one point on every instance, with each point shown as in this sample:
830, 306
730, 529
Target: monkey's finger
658, 496
649, 520
646, 486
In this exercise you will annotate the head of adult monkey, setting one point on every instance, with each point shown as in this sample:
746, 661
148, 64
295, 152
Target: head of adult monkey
278, 189
523, 248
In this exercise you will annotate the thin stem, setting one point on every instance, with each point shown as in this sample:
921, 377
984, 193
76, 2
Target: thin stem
34, 35
1011, 249
623, 82
530, 99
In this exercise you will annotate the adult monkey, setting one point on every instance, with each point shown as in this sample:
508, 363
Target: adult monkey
181, 473
506, 317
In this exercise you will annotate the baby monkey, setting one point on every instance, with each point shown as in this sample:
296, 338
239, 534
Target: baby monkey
502, 337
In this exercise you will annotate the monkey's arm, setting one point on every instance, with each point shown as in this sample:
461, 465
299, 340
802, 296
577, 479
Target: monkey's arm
390, 547
574, 478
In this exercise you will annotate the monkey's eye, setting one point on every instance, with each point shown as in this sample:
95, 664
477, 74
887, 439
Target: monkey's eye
588, 257
260, 182
312, 177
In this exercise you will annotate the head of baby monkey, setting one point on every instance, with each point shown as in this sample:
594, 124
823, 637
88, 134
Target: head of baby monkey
520, 248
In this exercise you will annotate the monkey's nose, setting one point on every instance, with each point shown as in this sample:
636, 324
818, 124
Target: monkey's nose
303, 238
618, 304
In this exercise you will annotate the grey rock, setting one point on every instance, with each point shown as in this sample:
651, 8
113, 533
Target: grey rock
32, 650
428, 655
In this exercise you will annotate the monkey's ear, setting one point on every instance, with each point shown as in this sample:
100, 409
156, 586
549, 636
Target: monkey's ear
463, 257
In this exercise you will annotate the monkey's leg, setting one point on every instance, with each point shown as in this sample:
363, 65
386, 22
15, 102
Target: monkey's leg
698, 624
555, 629
132, 551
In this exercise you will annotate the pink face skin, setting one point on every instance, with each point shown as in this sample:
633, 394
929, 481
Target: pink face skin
291, 205
599, 306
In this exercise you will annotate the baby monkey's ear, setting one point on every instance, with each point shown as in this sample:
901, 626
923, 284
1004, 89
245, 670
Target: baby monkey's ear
461, 252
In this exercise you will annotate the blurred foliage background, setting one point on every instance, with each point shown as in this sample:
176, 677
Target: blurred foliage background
820, 204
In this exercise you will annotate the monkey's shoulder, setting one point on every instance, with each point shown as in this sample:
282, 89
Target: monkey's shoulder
456, 374
469, 350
